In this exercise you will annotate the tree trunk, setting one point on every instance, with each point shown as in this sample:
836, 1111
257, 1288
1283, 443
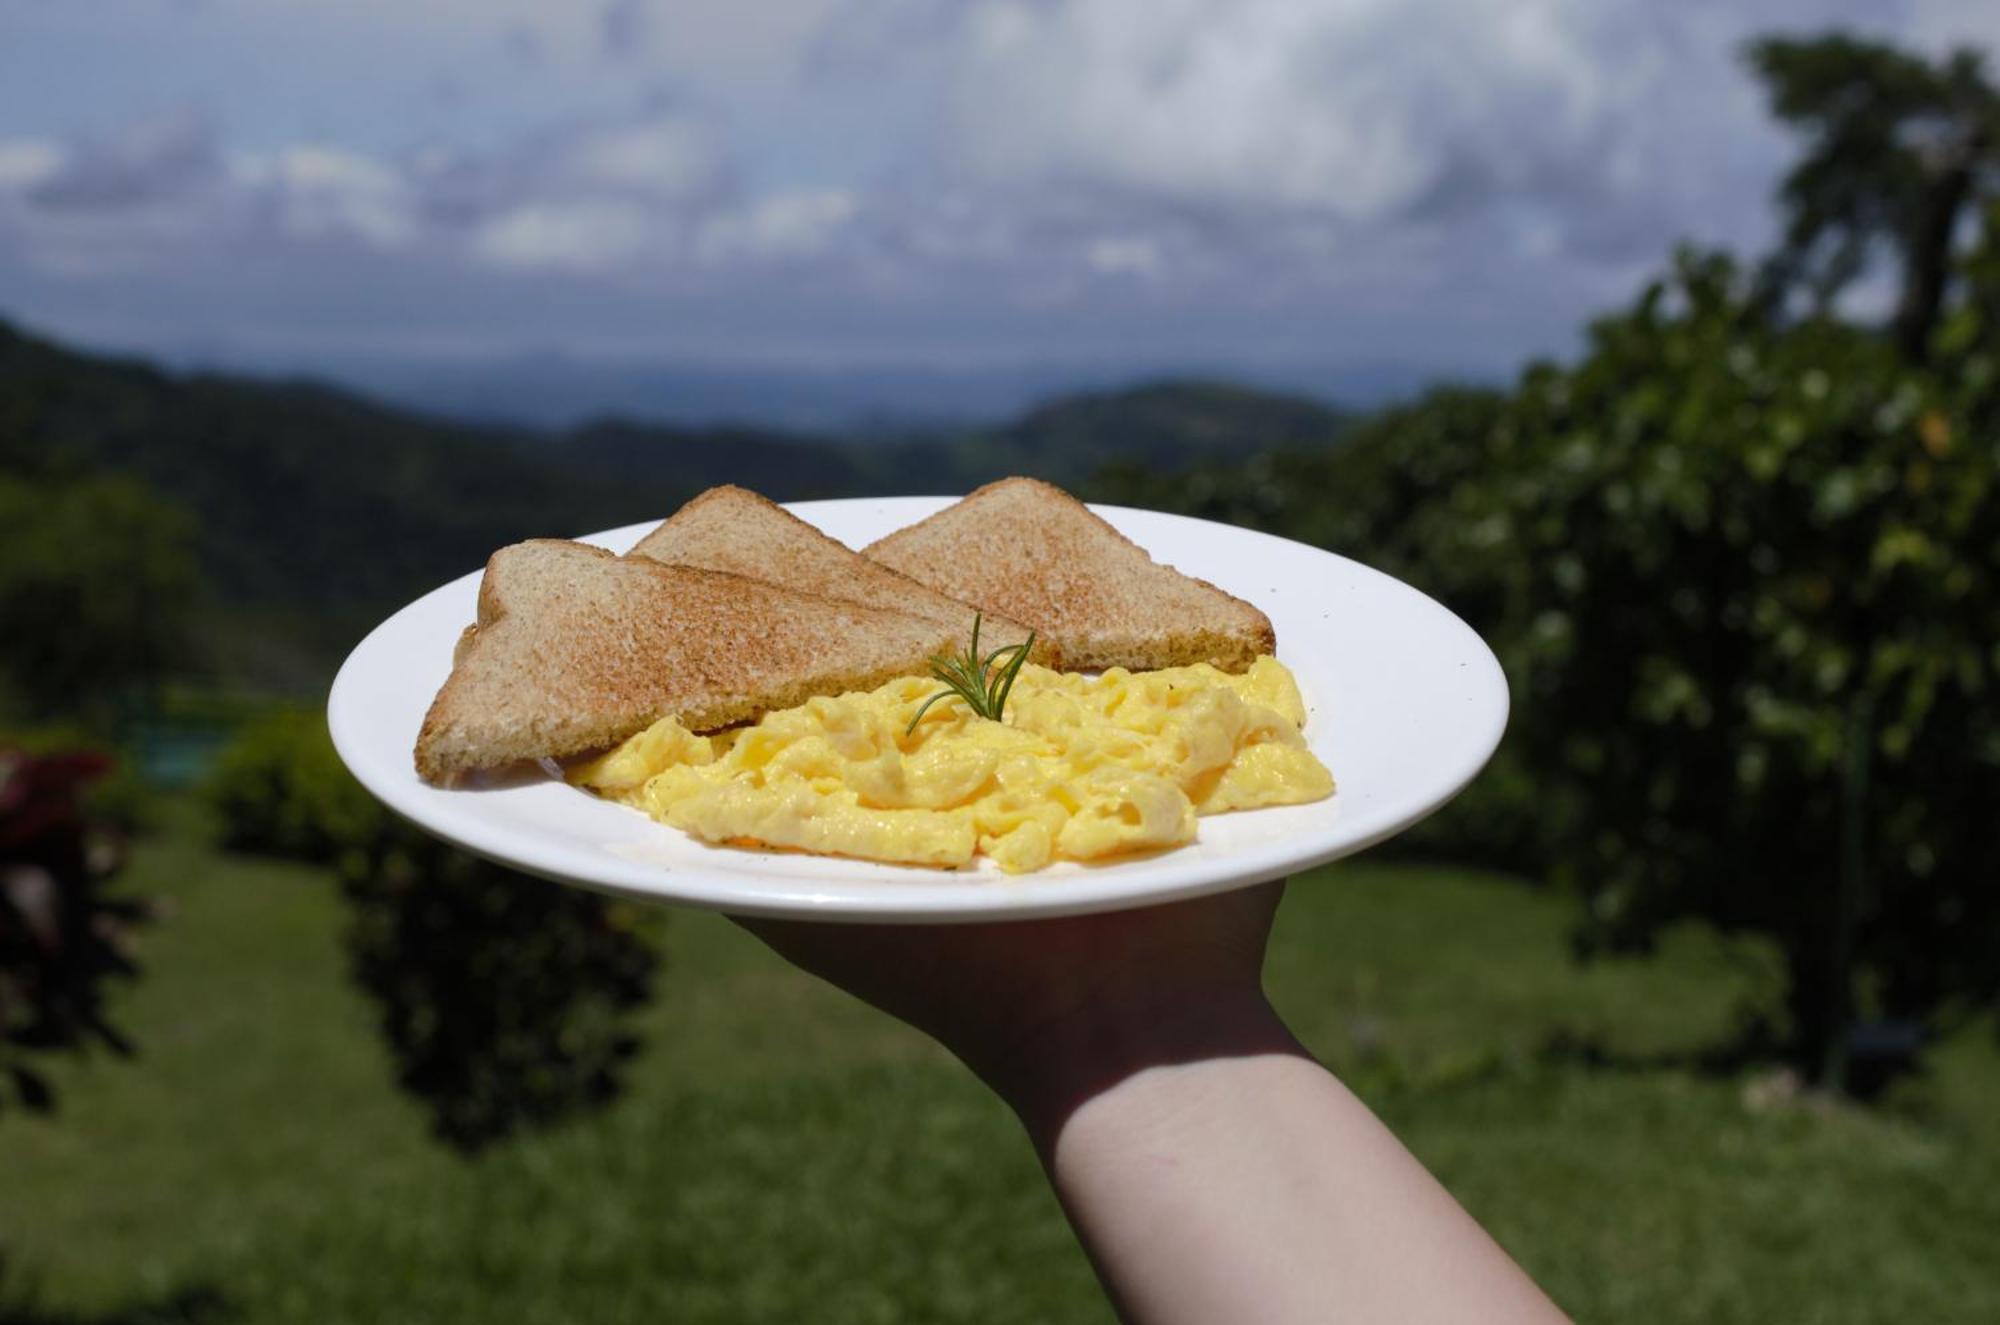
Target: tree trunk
1821, 993
1820, 1019
1927, 259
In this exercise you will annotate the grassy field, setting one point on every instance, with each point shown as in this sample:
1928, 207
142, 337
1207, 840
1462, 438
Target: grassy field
783, 1154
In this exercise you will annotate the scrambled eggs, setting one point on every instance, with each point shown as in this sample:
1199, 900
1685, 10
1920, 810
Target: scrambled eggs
1079, 768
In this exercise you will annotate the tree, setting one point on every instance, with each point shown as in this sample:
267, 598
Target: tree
1743, 571
1745, 579
95, 591
1751, 586
1899, 151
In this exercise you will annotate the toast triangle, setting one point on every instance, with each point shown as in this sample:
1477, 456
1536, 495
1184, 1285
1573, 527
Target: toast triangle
576, 649
1028, 550
733, 529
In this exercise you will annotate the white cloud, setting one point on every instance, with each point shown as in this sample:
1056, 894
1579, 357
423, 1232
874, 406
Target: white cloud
666, 155
1182, 101
727, 39
788, 225
1137, 257
577, 237
146, 163
157, 193
584, 197
1392, 174
27, 162
1361, 114
324, 192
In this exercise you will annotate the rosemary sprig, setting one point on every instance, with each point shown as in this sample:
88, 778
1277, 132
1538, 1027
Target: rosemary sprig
983, 683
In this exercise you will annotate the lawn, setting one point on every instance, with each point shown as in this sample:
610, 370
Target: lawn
784, 1154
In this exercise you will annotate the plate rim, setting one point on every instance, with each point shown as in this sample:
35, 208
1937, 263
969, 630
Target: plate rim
1071, 894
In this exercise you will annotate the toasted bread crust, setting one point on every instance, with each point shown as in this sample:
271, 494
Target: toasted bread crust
1028, 550
733, 529
576, 649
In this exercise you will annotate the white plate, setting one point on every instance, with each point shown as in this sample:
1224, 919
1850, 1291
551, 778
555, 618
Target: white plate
1405, 703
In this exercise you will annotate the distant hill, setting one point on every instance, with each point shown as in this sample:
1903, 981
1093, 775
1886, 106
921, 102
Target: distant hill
319, 509
551, 390
556, 391
1166, 425
1170, 424
685, 460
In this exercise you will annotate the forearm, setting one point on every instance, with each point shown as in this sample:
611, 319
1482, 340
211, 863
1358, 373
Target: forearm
1213, 1171
1216, 1172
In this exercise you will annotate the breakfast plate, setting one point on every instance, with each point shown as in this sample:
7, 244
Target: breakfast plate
1404, 704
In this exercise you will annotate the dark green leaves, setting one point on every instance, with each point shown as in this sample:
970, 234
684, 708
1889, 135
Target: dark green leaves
507, 1004
1744, 575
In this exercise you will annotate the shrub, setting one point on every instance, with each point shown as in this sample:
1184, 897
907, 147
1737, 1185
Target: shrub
505, 999
280, 789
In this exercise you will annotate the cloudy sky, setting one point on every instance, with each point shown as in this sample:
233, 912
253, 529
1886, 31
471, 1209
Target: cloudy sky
1278, 187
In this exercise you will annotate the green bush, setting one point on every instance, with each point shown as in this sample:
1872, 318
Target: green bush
505, 999
279, 789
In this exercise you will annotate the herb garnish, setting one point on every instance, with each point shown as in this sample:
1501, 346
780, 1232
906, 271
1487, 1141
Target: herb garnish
982, 683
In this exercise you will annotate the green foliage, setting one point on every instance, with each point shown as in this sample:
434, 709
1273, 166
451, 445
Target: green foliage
1384, 489
1745, 578
63, 938
505, 1000
1159, 427
1898, 150
317, 512
1754, 578
280, 789
95, 591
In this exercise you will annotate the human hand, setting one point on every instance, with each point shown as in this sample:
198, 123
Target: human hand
1049, 1012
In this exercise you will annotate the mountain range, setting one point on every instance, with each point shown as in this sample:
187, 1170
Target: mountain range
556, 390
319, 509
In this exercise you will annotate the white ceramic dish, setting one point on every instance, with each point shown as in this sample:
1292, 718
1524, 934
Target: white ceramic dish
1405, 704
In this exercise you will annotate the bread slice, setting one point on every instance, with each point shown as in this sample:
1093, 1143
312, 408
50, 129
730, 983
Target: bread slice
736, 530
576, 649
1024, 549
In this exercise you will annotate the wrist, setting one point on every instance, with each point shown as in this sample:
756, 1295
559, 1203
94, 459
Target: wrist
1059, 1065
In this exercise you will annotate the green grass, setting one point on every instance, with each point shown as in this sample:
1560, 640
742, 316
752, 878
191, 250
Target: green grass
784, 1154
